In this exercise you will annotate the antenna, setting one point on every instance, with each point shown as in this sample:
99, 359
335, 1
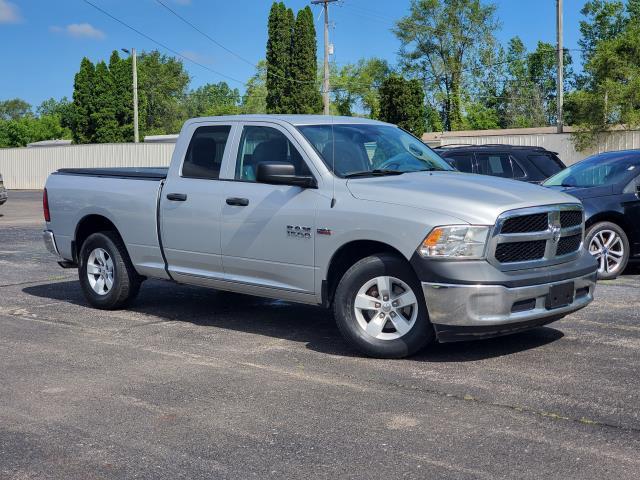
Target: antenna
333, 164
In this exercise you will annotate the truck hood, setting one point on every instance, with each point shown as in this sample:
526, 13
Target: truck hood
476, 199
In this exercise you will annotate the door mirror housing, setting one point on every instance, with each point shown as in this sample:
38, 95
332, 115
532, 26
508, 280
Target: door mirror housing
283, 173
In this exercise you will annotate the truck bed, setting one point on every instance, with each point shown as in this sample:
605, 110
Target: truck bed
136, 173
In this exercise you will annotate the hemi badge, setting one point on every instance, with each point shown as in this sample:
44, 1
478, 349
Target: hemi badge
323, 231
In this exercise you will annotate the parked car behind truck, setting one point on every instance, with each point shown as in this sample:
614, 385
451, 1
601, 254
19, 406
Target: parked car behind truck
3, 192
525, 163
609, 186
343, 212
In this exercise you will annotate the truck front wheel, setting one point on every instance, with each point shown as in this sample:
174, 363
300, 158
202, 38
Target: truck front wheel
379, 308
107, 276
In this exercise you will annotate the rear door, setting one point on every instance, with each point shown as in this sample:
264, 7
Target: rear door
191, 204
268, 231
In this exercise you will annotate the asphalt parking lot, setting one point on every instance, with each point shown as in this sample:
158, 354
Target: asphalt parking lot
193, 383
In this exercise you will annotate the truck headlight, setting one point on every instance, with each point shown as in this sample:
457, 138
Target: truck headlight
456, 242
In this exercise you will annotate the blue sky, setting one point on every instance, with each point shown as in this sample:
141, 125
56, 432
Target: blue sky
42, 41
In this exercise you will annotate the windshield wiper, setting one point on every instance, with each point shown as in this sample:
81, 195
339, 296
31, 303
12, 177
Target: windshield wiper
375, 172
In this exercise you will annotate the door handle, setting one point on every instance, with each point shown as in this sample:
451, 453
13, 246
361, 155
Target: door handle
238, 202
177, 197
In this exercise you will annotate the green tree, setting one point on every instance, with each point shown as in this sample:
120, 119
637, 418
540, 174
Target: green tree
439, 40
254, 99
402, 103
213, 99
521, 102
105, 106
162, 83
279, 50
82, 125
28, 129
479, 116
612, 95
14, 108
305, 96
357, 85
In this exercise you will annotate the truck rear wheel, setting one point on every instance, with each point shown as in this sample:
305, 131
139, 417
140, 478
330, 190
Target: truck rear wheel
379, 308
106, 273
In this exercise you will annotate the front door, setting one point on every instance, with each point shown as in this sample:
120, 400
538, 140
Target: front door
268, 231
191, 205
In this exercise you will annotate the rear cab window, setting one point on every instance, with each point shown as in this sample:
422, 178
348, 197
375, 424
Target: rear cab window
206, 151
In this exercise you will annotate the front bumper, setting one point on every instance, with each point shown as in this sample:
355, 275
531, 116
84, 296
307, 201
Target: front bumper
459, 311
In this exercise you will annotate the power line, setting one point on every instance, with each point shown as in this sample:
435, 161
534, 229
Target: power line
213, 40
160, 44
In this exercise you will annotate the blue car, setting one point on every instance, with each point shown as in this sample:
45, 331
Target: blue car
609, 186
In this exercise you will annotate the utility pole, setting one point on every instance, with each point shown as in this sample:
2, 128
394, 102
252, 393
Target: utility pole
134, 58
560, 75
325, 83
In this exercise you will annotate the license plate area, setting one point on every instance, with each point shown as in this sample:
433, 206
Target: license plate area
560, 295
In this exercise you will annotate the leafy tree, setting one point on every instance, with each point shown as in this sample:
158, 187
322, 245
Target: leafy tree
213, 99
105, 106
63, 109
480, 117
439, 39
14, 109
305, 97
605, 20
279, 50
402, 103
356, 86
612, 95
162, 82
82, 125
254, 99
28, 129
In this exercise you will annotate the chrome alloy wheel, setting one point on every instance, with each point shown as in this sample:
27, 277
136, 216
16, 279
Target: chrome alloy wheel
608, 248
100, 271
386, 308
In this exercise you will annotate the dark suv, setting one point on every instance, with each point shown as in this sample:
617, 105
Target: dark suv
529, 164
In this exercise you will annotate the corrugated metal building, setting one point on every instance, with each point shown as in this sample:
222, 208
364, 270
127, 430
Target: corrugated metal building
28, 168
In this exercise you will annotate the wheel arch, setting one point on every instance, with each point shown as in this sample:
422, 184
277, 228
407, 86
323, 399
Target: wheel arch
608, 216
88, 225
348, 254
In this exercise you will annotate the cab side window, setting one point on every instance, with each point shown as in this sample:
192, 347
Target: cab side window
205, 152
265, 144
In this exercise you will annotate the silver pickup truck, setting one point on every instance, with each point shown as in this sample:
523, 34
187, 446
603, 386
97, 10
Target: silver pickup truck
348, 213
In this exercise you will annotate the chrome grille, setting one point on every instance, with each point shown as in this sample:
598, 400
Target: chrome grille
520, 251
570, 218
538, 236
538, 222
568, 245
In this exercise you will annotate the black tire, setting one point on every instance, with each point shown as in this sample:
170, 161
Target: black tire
126, 281
594, 230
420, 334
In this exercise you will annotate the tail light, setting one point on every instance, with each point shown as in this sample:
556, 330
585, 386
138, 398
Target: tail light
45, 206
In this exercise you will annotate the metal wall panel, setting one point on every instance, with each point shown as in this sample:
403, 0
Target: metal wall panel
28, 168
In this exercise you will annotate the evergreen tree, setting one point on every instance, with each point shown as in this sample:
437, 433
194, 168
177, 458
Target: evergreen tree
121, 75
305, 97
279, 46
82, 125
105, 106
402, 103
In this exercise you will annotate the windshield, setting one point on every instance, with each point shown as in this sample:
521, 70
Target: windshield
597, 171
361, 150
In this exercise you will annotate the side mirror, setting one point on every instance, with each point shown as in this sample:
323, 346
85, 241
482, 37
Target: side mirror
282, 173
